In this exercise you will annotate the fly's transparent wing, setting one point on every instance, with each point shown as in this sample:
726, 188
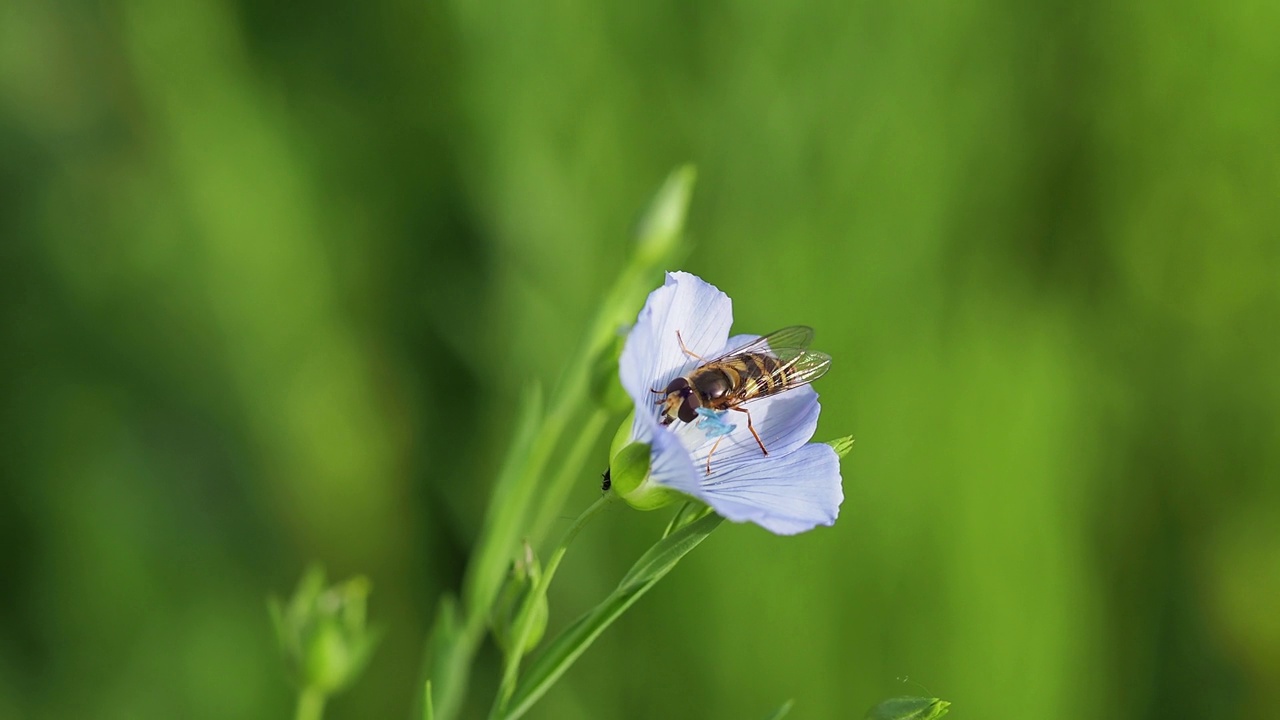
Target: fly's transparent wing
795, 337
800, 368
791, 364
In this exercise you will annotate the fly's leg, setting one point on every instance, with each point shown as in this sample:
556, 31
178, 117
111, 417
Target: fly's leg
752, 429
713, 452
686, 350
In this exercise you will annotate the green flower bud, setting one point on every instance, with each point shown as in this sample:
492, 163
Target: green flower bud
322, 632
515, 594
328, 660
909, 708
629, 473
660, 228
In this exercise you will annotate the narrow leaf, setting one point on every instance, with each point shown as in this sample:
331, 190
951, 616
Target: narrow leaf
782, 711
659, 559
570, 644
507, 506
662, 224
456, 636
909, 708
449, 659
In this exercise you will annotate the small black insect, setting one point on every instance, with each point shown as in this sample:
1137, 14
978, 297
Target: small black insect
606, 481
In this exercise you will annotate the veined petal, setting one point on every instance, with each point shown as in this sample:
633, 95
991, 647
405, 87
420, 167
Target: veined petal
652, 356
786, 496
738, 341
670, 464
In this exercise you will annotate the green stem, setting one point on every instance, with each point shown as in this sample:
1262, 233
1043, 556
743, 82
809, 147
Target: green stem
570, 473
524, 621
310, 705
570, 644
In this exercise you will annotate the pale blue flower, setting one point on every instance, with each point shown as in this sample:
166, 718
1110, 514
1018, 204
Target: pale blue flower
792, 489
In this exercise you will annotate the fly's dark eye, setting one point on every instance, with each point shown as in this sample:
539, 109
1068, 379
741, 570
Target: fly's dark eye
688, 409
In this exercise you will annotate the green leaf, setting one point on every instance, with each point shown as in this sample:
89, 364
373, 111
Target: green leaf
449, 656
842, 446
782, 711
456, 636
663, 556
689, 512
428, 712
507, 506
909, 708
526, 617
570, 644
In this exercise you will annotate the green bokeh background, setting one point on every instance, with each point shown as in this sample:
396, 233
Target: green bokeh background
272, 277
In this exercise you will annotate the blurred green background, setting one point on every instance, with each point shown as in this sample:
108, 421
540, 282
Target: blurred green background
272, 277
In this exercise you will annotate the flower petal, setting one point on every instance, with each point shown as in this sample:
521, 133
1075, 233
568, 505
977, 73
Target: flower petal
786, 496
652, 356
669, 462
739, 341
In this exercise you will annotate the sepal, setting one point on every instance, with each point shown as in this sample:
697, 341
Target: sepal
842, 446
629, 472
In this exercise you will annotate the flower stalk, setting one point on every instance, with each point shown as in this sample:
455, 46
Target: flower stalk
524, 620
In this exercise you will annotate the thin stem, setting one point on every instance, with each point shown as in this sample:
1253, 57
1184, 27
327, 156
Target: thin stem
524, 621
310, 705
553, 497
571, 643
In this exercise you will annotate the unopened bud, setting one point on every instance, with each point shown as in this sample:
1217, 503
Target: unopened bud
322, 632
629, 474
662, 224
515, 594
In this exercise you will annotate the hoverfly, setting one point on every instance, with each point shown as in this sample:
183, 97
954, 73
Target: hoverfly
764, 367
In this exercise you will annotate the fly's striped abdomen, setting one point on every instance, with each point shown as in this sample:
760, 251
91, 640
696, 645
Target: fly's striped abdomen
741, 378
761, 375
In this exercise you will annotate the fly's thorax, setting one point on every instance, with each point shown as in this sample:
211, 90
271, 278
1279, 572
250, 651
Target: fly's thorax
713, 382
